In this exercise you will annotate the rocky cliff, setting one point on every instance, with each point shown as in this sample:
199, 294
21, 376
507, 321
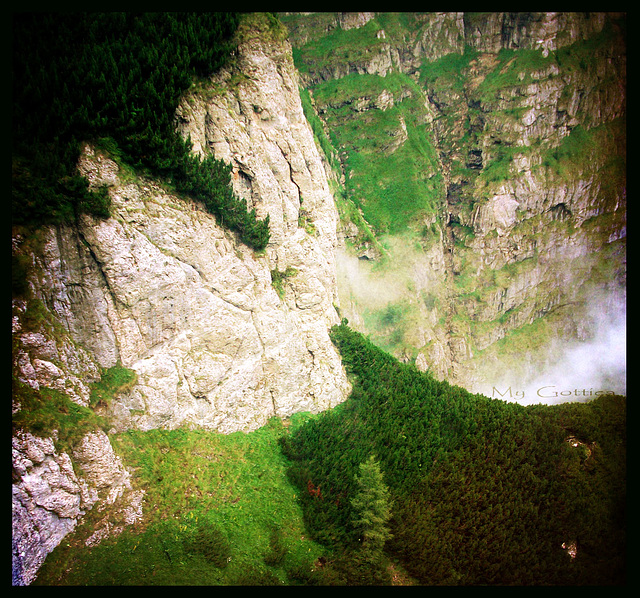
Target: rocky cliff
218, 336
488, 210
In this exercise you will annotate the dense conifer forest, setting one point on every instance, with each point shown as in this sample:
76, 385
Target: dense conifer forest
481, 491
114, 78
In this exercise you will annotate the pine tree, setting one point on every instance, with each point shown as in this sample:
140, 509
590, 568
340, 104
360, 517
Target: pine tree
372, 508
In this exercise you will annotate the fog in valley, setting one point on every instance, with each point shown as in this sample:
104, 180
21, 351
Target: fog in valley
574, 370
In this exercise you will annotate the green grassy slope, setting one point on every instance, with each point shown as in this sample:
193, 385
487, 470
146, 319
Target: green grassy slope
218, 510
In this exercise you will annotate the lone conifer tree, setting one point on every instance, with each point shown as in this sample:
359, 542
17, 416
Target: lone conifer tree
372, 508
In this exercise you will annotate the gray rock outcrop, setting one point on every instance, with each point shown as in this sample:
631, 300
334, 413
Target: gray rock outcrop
161, 288
49, 497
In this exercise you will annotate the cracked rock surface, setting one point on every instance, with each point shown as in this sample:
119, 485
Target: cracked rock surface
161, 288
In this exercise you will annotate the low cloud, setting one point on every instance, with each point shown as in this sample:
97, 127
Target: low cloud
569, 370
366, 284
578, 370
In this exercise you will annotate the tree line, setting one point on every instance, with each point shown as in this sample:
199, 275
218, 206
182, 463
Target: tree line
118, 75
480, 491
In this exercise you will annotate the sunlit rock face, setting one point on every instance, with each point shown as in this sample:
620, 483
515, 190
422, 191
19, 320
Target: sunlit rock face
163, 289
49, 496
219, 336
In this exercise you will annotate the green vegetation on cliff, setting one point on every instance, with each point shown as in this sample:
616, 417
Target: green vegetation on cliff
392, 167
457, 121
85, 76
46, 412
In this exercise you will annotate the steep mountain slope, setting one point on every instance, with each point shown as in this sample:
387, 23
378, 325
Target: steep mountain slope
217, 335
482, 491
481, 158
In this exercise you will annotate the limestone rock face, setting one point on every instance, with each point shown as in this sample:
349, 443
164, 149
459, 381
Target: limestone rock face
490, 32
526, 112
162, 289
45, 358
48, 496
219, 336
